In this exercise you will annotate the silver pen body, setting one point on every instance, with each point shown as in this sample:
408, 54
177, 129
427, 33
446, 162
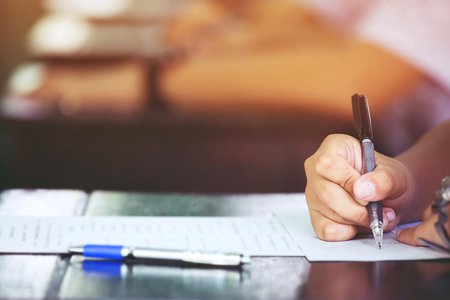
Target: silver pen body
374, 208
198, 257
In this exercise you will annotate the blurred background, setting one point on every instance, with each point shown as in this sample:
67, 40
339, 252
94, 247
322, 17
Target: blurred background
208, 95
16, 19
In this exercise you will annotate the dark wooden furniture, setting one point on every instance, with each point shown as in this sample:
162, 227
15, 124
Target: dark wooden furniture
163, 150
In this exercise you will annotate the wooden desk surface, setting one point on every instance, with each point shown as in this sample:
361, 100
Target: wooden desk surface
56, 277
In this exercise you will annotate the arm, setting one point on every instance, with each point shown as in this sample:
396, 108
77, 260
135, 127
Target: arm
428, 161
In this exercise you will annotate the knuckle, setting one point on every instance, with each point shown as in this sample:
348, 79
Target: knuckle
331, 137
329, 232
324, 164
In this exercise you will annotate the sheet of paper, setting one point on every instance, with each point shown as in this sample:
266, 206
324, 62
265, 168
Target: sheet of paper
286, 234
360, 249
256, 236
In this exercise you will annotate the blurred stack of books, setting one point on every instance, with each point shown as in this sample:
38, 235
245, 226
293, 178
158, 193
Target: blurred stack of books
91, 57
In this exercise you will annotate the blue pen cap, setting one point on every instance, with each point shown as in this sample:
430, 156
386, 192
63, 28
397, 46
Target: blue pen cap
103, 251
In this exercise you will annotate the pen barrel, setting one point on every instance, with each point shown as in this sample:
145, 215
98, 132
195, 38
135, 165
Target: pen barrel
368, 155
375, 214
198, 257
213, 258
156, 254
374, 208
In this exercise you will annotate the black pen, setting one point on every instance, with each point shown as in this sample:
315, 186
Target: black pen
363, 125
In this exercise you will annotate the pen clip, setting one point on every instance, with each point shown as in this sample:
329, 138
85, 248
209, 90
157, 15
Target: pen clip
361, 116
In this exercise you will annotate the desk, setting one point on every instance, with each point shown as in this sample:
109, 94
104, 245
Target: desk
50, 277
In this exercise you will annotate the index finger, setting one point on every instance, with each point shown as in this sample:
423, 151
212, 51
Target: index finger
341, 168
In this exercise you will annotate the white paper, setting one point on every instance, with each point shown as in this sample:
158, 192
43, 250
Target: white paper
286, 234
359, 249
256, 236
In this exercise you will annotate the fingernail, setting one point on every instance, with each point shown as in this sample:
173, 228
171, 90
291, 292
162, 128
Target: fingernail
390, 215
364, 190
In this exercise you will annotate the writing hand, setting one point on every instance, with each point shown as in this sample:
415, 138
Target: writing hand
337, 193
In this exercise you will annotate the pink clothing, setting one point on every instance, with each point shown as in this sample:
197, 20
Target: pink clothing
416, 30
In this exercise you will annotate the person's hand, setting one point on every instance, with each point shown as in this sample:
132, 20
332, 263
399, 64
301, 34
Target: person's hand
337, 193
425, 230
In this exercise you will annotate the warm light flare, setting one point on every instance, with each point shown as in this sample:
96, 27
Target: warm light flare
94, 8
59, 34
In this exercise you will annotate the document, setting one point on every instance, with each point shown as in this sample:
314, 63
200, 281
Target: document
255, 236
362, 248
286, 233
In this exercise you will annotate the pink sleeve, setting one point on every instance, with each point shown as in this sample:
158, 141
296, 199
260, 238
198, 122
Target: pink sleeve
417, 30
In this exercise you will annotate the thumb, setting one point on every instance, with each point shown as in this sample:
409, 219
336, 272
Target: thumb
387, 182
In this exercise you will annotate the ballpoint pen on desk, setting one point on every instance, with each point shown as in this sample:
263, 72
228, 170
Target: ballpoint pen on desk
363, 125
116, 252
